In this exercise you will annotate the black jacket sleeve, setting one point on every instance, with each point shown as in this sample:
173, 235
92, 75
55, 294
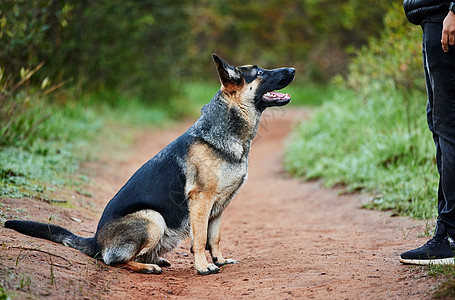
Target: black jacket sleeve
418, 10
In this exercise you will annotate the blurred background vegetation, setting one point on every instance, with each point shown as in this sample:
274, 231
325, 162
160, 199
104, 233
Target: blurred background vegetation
376, 139
146, 48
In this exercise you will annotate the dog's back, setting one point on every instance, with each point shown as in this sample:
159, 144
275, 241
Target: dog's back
158, 185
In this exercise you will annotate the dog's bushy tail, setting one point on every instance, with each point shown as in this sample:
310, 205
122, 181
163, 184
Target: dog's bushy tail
56, 234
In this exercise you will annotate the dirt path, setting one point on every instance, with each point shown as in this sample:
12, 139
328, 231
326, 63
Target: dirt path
292, 239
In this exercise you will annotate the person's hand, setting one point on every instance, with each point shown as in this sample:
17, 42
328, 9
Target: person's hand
448, 32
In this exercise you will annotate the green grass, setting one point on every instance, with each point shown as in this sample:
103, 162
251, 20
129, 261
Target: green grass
377, 142
37, 165
3, 295
445, 289
51, 155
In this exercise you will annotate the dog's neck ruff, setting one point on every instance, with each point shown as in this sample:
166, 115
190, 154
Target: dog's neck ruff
225, 130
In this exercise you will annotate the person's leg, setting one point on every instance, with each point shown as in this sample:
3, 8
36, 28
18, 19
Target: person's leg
447, 179
429, 113
440, 75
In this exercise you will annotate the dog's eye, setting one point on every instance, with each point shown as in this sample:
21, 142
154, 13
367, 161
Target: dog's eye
260, 72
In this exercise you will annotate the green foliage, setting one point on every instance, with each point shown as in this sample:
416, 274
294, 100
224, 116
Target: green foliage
3, 295
51, 154
128, 46
28, 32
311, 35
20, 120
377, 139
364, 144
94, 45
446, 287
24, 114
144, 48
52, 159
396, 56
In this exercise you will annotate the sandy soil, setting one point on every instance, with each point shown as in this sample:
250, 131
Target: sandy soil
292, 239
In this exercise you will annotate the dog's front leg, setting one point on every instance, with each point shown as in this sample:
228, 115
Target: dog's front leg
199, 217
214, 236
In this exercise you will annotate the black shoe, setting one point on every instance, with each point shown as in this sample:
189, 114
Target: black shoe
438, 251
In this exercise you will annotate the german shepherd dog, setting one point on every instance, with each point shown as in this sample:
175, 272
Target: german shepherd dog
183, 190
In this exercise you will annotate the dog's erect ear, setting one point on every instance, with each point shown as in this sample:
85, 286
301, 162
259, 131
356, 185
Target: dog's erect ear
230, 77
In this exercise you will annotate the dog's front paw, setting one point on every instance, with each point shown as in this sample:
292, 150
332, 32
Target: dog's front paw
226, 261
210, 269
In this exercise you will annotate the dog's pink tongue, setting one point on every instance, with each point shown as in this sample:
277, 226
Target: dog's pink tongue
274, 96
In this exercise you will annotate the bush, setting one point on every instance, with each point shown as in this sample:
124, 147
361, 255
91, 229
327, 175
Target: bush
375, 140
127, 47
396, 56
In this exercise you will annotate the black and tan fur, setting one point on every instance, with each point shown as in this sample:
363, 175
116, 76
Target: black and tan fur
183, 190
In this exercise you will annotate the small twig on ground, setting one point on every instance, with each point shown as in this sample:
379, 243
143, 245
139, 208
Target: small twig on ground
51, 201
70, 262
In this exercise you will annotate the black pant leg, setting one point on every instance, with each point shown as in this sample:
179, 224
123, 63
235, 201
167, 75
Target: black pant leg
440, 77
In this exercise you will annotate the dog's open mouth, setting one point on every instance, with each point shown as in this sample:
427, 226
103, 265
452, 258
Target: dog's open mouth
276, 97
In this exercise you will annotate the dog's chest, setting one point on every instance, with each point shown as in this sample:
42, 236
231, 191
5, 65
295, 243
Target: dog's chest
231, 177
212, 178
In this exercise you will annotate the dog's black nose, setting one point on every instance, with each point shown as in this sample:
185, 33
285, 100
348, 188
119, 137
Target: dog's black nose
291, 71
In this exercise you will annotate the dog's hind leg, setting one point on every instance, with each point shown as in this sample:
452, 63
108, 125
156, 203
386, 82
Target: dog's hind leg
213, 243
125, 240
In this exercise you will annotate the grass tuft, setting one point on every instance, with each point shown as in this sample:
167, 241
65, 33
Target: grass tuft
446, 288
58, 140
